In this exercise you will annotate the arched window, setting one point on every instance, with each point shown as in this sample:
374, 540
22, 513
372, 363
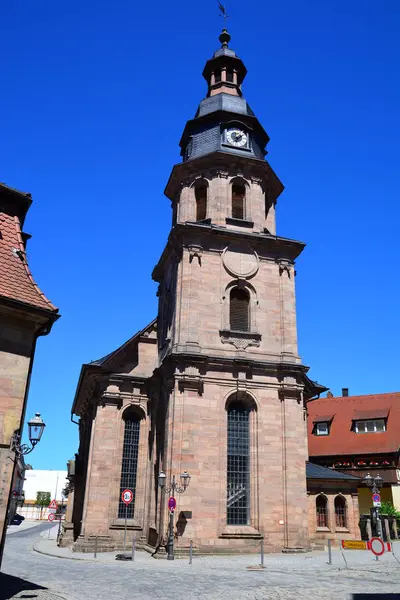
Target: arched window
129, 463
200, 192
322, 511
239, 310
217, 75
238, 467
238, 200
340, 512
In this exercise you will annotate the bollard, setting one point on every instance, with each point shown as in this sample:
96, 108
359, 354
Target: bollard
133, 547
95, 547
190, 552
329, 552
262, 553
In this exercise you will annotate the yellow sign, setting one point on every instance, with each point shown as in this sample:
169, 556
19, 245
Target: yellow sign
354, 545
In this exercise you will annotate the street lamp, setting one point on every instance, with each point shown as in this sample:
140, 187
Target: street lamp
375, 484
35, 431
173, 488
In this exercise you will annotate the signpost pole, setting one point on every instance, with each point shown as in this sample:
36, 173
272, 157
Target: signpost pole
126, 523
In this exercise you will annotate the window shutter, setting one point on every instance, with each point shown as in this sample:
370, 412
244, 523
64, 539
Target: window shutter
201, 202
239, 310
238, 196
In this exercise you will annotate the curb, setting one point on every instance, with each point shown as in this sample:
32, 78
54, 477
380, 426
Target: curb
36, 549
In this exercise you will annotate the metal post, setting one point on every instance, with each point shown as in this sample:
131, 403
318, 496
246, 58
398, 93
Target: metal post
95, 547
170, 544
133, 547
262, 553
190, 552
329, 551
126, 521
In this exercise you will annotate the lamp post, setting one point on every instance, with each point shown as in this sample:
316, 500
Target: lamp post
173, 488
375, 484
35, 431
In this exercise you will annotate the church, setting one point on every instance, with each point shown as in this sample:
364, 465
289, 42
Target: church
213, 389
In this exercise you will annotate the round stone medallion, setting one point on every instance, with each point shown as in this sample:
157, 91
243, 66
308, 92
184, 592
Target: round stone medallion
240, 261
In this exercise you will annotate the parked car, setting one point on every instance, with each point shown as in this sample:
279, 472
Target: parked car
17, 520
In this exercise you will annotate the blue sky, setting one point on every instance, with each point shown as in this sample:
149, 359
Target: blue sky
94, 98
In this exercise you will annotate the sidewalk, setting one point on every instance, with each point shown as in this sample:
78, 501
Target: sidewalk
315, 561
23, 525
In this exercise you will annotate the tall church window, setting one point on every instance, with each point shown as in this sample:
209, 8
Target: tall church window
238, 200
238, 467
340, 511
322, 511
201, 201
239, 310
130, 454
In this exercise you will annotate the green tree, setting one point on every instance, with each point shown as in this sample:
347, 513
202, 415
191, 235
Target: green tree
42, 499
389, 510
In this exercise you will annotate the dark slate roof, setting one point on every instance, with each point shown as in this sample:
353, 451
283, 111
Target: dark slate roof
317, 472
226, 102
100, 361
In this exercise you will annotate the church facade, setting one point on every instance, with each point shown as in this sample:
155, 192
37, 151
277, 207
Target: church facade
214, 386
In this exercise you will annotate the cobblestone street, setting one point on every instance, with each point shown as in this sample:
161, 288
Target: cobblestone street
28, 574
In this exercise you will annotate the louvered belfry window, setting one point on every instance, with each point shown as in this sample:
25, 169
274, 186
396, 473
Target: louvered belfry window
130, 454
238, 200
238, 471
201, 202
239, 310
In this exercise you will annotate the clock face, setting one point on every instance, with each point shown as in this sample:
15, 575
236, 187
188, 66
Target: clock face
236, 137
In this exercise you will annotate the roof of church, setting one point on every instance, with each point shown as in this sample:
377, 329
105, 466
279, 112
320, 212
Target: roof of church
16, 281
341, 412
141, 333
317, 472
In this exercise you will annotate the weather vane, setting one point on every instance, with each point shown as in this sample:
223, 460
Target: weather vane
223, 12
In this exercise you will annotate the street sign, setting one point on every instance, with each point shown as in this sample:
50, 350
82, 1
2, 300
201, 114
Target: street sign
377, 504
354, 545
51, 517
376, 498
172, 504
376, 546
127, 496
53, 504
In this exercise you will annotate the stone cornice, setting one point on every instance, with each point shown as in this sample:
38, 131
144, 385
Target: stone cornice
250, 168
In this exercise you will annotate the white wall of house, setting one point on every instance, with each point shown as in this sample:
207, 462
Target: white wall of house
37, 480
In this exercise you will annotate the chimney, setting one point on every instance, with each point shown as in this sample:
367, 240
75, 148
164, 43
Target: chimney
329, 395
345, 391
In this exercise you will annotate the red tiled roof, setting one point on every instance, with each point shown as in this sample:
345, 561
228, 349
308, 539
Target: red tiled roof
341, 439
16, 281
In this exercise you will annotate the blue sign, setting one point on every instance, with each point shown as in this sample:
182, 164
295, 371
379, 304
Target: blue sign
172, 504
376, 498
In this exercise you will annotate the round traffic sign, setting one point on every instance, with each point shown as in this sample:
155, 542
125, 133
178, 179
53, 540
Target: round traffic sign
127, 496
51, 517
172, 503
377, 546
376, 498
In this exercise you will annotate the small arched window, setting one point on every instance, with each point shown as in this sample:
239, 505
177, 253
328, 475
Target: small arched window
340, 511
201, 201
217, 75
321, 504
229, 76
238, 200
239, 310
130, 453
238, 466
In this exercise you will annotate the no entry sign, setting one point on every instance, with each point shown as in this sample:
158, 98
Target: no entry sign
172, 504
377, 547
127, 496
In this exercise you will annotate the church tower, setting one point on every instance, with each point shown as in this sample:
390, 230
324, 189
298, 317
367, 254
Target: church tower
234, 387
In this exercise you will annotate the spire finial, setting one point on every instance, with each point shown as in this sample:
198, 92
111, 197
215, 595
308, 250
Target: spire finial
224, 38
